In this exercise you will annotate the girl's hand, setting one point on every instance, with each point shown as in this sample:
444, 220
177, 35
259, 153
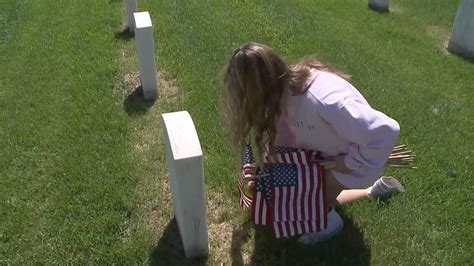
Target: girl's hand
251, 185
250, 174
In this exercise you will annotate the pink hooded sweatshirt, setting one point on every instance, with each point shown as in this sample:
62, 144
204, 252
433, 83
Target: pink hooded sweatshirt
334, 118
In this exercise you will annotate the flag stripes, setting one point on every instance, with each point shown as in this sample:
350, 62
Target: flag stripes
296, 208
244, 200
289, 194
285, 229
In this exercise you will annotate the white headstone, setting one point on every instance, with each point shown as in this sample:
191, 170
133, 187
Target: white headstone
131, 7
462, 37
186, 172
146, 54
381, 5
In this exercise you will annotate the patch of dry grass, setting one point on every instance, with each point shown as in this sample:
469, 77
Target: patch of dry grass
440, 36
227, 238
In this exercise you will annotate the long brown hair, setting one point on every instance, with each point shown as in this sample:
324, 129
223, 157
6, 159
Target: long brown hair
254, 83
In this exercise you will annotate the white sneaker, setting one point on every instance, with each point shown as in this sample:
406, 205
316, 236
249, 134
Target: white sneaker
335, 225
385, 186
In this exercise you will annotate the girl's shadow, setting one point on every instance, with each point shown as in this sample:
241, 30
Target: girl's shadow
346, 248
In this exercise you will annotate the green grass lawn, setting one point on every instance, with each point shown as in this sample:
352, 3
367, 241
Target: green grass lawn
82, 168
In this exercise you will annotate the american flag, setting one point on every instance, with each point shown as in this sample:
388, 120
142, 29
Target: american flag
248, 162
260, 212
291, 200
289, 196
292, 155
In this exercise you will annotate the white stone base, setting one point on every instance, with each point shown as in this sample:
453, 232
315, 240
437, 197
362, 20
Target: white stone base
382, 5
462, 37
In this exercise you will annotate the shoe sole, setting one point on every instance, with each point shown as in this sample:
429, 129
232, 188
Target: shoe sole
392, 183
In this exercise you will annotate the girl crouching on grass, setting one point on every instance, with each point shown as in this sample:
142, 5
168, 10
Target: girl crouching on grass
309, 105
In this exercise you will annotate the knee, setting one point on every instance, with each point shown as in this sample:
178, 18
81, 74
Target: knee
333, 189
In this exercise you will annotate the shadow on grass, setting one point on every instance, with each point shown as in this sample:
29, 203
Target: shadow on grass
125, 34
135, 103
469, 58
347, 248
378, 9
170, 251
239, 237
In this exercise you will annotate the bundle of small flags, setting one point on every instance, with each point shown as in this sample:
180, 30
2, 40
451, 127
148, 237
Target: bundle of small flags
399, 158
289, 191
289, 194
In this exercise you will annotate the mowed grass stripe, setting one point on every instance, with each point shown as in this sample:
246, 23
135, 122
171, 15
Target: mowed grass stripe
9, 10
66, 186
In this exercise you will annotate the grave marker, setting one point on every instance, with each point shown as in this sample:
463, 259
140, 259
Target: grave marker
462, 37
381, 5
131, 7
186, 173
146, 54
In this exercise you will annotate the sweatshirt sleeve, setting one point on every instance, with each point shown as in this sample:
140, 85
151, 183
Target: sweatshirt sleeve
371, 133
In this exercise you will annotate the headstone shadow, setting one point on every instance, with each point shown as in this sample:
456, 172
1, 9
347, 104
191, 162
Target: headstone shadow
170, 251
125, 34
239, 237
135, 103
462, 57
347, 248
379, 10
381, 6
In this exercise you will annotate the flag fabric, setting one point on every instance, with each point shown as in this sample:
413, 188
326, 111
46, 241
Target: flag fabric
248, 162
289, 194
